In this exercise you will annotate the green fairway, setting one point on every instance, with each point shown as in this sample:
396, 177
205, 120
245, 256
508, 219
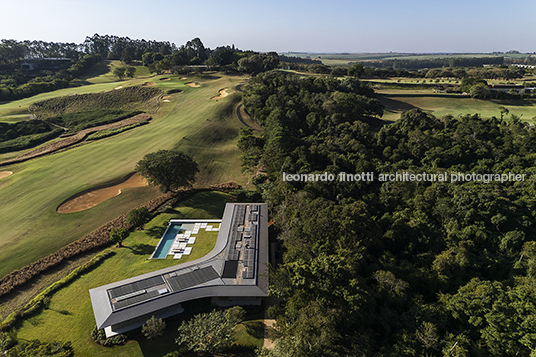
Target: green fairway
396, 101
70, 316
204, 128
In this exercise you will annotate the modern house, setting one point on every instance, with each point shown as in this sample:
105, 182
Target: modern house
51, 64
233, 273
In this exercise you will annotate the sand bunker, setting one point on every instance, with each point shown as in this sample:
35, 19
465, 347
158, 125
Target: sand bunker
223, 93
192, 84
4, 174
148, 84
182, 78
164, 79
118, 87
94, 197
166, 97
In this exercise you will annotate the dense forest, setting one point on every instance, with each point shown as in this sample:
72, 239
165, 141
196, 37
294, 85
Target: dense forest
393, 268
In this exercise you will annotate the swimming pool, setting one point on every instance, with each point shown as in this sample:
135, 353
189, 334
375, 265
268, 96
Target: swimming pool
166, 242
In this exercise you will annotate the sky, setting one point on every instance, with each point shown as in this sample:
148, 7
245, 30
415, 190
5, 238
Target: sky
411, 26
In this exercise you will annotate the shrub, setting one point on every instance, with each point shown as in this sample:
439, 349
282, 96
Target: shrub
138, 216
7, 340
153, 328
99, 336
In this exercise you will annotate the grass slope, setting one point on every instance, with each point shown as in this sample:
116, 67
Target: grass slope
206, 129
70, 317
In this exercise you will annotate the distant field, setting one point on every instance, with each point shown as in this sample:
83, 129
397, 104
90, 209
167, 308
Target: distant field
335, 59
396, 101
206, 129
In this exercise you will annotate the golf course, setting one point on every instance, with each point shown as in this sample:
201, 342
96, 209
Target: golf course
187, 120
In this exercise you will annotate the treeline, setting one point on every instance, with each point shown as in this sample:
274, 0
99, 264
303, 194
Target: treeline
158, 56
390, 268
123, 48
11, 51
488, 72
435, 62
19, 85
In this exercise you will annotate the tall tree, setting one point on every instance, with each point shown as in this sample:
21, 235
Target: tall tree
169, 169
118, 235
153, 328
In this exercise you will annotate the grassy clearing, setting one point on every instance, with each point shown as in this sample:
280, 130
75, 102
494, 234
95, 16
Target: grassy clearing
206, 129
70, 317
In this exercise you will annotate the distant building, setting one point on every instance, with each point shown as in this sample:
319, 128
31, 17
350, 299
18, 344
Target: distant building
51, 64
509, 87
233, 273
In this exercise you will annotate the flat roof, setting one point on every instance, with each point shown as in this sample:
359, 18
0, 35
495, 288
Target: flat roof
236, 267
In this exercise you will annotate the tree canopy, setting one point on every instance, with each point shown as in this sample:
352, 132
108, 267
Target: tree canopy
169, 169
390, 268
153, 328
210, 332
118, 235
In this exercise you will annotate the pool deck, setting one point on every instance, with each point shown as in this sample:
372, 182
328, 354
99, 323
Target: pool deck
188, 227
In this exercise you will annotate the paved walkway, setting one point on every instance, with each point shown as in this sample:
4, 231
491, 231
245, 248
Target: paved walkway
268, 324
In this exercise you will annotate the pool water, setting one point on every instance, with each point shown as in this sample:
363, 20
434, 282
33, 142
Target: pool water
165, 244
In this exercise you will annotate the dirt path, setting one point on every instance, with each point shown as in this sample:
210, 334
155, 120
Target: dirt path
94, 197
4, 174
268, 324
76, 138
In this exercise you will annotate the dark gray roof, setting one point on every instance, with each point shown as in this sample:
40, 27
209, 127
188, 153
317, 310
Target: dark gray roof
228, 270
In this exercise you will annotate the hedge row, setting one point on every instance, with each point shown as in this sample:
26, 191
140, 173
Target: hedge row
110, 132
38, 302
74, 139
96, 239
28, 141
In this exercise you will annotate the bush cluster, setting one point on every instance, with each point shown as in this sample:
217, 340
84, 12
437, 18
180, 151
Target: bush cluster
100, 337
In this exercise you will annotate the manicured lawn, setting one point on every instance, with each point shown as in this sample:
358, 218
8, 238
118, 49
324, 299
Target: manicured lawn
206, 129
70, 316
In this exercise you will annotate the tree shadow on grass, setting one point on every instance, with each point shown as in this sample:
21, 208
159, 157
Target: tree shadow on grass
395, 105
141, 249
255, 328
35, 320
63, 312
155, 232
208, 76
206, 201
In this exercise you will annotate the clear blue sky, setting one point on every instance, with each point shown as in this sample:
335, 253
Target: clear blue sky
293, 25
